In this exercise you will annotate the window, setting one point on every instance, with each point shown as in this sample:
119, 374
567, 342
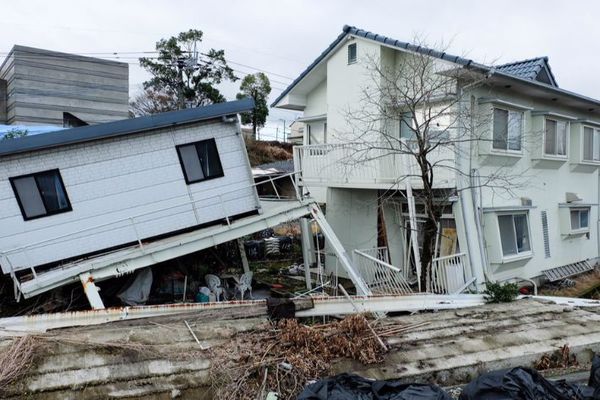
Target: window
591, 144
507, 129
407, 130
555, 139
351, 53
200, 161
514, 234
41, 194
580, 219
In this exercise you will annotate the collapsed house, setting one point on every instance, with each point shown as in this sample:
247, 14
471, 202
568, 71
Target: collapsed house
528, 127
96, 202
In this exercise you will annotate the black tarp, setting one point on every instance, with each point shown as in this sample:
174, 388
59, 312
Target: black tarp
346, 387
507, 384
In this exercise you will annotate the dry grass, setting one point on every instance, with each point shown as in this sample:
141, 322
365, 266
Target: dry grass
261, 152
284, 358
16, 360
583, 284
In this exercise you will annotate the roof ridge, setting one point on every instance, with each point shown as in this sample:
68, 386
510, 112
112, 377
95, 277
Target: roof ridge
541, 58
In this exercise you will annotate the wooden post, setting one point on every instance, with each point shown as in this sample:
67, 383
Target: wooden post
245, 263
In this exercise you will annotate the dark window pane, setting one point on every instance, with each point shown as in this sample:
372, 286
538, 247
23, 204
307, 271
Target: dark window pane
191, 163
515, 124
561, 138
29, 197
507, 235
522, 233
41, 194
209, 158
351, 53
574, 219
52, 191
588, 146
500, 134
550, 143
200, 161
584, 218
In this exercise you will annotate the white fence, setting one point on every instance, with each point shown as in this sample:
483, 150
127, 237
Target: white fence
367, 165
448, 274
380, 276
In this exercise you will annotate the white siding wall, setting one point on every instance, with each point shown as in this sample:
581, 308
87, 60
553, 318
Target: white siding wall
546, 184
345, 85
115, 179
316, 100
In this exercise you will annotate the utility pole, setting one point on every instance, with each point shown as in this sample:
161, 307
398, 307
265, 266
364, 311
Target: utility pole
284, 139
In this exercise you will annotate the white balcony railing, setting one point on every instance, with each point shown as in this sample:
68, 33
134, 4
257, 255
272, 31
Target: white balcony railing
368, 166
448, 274
381, 277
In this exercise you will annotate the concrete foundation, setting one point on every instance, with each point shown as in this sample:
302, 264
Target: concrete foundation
453, 348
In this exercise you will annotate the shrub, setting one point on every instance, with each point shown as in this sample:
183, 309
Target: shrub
501, 293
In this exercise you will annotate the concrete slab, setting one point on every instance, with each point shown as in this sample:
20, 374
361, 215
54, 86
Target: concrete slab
451, 349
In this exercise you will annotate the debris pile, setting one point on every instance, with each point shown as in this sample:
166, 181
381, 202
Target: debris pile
285, 357
561, 358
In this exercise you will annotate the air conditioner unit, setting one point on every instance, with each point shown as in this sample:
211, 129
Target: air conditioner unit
526, 201
572, 197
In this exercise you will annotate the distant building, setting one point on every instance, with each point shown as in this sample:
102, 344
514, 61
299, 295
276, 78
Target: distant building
42, 87
296, 135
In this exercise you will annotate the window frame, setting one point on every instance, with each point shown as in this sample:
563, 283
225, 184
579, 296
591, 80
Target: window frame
519, 254
182, 165
567, 131
47, 213
508, 150
579, 210
353, 60
595, 134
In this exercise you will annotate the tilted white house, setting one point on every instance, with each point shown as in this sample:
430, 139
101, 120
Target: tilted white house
71, 181
95, 202
548, 136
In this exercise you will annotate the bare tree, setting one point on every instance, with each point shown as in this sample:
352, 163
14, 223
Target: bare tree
419, 108
153, 102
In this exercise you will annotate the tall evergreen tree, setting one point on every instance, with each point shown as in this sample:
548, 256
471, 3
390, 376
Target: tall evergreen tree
258, 87
184, 74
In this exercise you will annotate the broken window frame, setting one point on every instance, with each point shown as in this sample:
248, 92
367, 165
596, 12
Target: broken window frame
206, 175
63, 204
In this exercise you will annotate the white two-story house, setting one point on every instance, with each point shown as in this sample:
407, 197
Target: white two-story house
541, 223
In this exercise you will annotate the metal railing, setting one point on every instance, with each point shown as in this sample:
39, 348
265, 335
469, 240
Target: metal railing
448, 274
131, 226
364, 163
380, 276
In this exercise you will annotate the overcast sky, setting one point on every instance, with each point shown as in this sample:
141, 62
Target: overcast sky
282, 37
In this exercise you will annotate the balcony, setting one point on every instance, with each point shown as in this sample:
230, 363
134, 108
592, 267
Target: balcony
362, 165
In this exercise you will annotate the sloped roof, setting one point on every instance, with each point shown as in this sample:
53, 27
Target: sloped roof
124, 127
530, 69
502, 71
352, 30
